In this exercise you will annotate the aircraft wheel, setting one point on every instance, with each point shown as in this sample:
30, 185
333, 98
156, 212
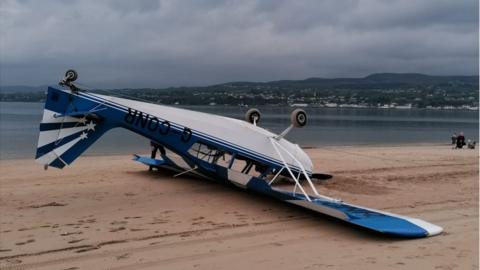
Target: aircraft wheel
298, 118
253, 116
71, 75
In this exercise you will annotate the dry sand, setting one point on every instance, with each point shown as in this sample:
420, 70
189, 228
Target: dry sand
110, 212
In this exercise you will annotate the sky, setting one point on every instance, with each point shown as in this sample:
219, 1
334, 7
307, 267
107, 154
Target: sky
162, 43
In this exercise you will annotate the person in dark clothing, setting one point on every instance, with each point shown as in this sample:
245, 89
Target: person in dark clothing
460, 140
155, 147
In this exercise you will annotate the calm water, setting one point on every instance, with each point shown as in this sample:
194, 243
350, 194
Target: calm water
327, 126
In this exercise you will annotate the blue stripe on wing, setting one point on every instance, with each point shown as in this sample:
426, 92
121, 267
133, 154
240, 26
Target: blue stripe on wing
148, 161
364, 217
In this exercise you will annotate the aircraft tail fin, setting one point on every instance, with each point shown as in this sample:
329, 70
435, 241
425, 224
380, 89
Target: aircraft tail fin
69, 126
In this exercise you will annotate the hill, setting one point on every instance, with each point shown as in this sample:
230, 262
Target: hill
373, 81
407, 90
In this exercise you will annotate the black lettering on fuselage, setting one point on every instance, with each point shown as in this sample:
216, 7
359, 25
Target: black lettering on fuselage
186, 135
144, 120
130, 116
153, 124
164, 127
141, 120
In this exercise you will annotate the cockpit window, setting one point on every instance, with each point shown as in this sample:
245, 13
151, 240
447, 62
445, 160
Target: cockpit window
248, 166
208, 153
240, 163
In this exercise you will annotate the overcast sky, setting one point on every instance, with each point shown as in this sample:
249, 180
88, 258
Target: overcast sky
158, 43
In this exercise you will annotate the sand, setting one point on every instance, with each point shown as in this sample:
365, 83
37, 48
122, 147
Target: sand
110, 212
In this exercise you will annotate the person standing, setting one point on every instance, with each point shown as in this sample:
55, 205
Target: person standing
454, 138
460, 140
471, 145
155, 147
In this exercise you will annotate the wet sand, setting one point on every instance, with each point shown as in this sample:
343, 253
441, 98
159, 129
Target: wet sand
110, 212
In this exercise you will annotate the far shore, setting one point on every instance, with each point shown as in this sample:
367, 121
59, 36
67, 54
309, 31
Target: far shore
340, 106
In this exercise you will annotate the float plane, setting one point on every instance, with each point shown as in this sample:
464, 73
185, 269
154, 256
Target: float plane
232, 151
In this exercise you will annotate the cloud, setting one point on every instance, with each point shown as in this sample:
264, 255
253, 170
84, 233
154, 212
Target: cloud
171, 43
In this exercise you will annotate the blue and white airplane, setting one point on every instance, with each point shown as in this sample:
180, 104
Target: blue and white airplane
213, 147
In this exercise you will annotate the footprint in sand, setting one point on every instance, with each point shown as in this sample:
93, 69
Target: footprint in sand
198, 218
132, 217
75, 241
137, 229
159, 221
15, 261
117, 229
26, 242
118, 222
123, 256
87, 249
70, 233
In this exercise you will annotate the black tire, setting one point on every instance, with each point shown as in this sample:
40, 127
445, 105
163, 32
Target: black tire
298, 118
253, 116
71, 75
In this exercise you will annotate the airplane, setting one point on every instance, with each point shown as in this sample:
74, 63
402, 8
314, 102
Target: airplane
222, 149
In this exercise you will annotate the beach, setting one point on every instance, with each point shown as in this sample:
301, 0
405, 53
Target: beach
110, 212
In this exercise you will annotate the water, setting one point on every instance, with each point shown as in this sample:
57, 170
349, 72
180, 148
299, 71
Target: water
327, 126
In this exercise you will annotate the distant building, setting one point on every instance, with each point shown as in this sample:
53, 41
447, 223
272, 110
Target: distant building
406, 106
331, 105
353, 106
299, 105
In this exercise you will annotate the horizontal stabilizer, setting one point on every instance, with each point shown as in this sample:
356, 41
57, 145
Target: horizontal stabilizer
148, 161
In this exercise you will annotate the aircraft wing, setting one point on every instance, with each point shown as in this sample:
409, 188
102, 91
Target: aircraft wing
372, 219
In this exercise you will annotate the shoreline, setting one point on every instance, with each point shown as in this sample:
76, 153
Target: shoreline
146, 149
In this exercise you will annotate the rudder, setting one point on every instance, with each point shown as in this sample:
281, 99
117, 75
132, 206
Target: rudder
67, 128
